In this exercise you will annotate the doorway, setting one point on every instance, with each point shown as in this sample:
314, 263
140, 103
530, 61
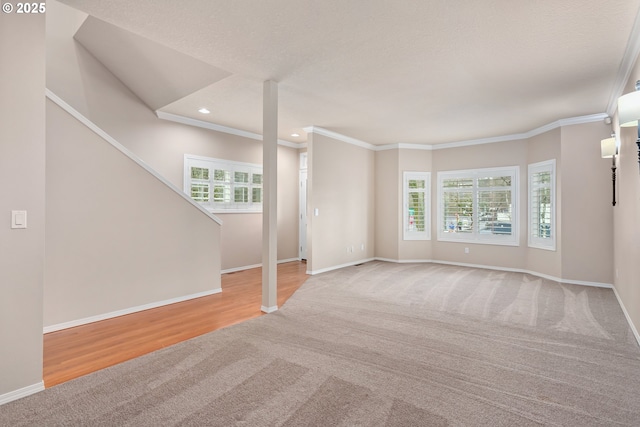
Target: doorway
303, 207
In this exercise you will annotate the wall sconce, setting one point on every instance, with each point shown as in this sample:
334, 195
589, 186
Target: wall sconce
629, 112
608, 149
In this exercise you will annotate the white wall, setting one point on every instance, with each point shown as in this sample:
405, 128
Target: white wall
22, 187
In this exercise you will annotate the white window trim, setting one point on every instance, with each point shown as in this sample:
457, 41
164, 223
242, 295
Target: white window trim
475, 236
533, 241
406, 233
212, 163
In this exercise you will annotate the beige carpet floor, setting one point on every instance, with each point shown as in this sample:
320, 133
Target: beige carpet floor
380, 345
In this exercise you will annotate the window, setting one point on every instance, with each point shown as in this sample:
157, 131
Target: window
256, 188
200, 184
415, 207
542, 209
223, 186
478, 206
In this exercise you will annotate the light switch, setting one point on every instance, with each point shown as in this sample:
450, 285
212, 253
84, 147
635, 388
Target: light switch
18, 219
316, 211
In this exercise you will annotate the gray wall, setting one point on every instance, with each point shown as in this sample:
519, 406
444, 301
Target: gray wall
541, 148
22, 187
587, 214
626, 269
511, 153
341, 187
116, 236
418, 161
388, 195
584, 243
82, 81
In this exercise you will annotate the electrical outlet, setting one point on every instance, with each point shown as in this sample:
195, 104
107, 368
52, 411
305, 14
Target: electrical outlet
466, 250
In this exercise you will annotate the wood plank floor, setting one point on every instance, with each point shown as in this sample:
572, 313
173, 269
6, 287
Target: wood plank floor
78, 351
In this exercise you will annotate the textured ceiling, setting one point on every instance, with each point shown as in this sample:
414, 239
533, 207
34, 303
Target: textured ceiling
157, 74
384, 72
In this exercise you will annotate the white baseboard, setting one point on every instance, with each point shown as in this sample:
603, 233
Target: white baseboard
105, 316
513, 270
575, 282
22, 392
337, 267
626, 314
533, 273
462, 264
282, 261
249, 267
86, 320
405, 261
269, 309
245, 267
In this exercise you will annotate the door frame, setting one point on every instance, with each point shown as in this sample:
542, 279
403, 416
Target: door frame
303, 217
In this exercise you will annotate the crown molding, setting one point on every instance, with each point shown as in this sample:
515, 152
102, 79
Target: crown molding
220, 128
339, 137
598, 117
526, 135
626, 66
290, 144
514, 137
480, 141
363, 144
404, 146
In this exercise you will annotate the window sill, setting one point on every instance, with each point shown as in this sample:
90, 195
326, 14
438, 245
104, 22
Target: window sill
416, 238
496, 242
543, 247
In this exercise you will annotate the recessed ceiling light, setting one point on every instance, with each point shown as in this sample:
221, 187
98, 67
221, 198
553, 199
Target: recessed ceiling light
204, 111
295, 135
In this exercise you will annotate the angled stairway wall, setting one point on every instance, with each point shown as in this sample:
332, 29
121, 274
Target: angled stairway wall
117, 238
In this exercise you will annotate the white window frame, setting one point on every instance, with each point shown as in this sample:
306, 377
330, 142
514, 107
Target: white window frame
533, 240
230, 206
408, 233
475, 236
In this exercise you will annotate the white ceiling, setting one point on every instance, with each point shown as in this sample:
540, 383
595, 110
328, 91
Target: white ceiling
421, 71
157, 74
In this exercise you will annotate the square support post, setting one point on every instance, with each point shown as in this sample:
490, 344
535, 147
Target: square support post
269, 201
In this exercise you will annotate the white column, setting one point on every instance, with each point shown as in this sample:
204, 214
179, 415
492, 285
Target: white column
269, 201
